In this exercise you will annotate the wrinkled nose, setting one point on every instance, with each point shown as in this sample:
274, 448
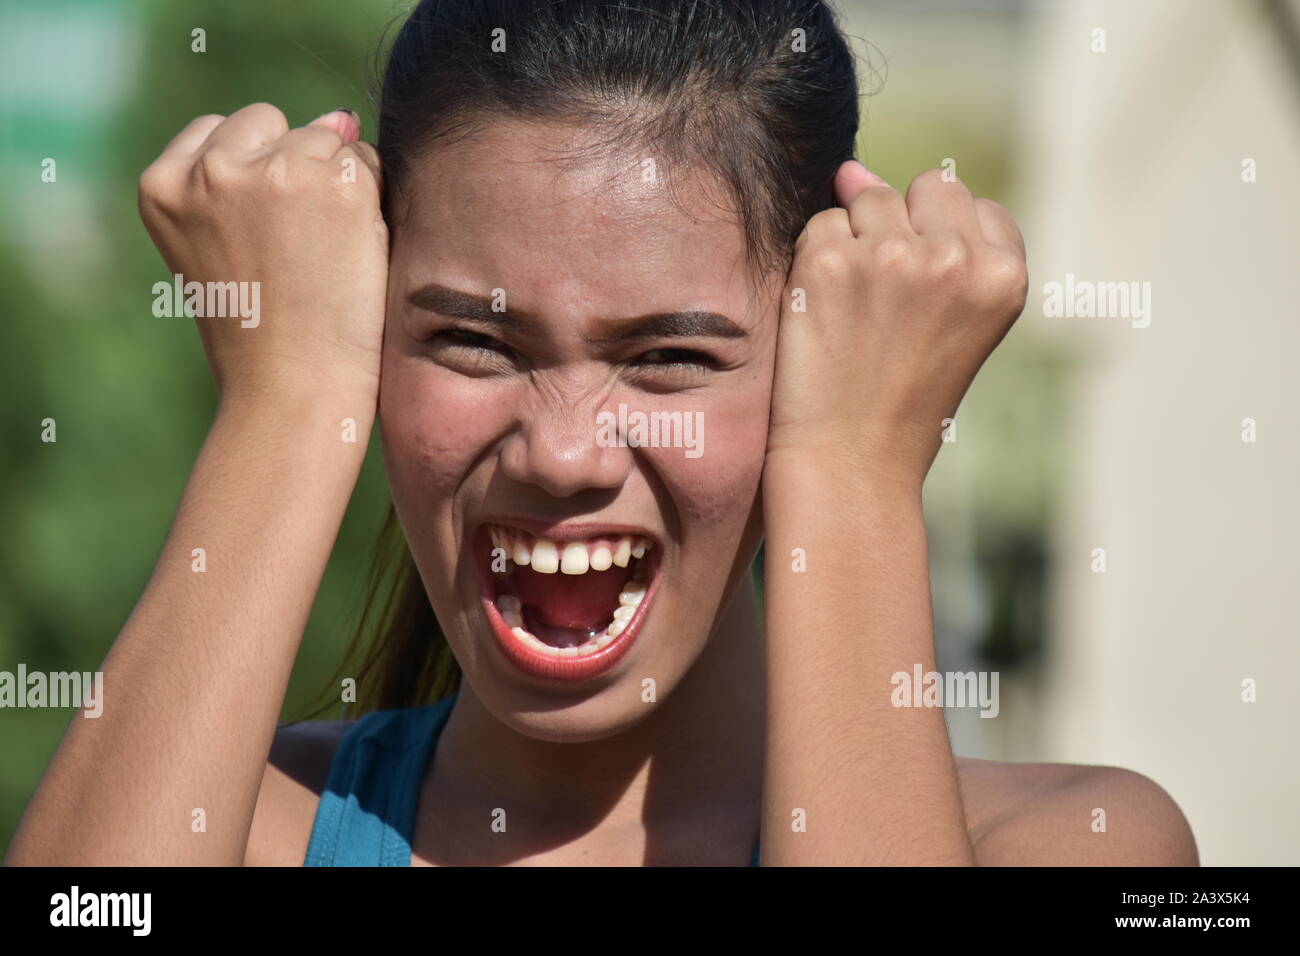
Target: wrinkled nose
556, 449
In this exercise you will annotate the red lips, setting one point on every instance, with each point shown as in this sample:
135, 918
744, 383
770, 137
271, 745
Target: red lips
562, 593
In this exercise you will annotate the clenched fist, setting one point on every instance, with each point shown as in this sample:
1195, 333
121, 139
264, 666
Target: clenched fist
244, 199
902, 301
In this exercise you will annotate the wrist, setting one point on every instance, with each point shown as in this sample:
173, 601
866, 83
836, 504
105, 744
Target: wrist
294, 413
287, 384
884, 469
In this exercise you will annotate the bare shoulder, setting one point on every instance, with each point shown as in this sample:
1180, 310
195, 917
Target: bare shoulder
1052, 814
296, 771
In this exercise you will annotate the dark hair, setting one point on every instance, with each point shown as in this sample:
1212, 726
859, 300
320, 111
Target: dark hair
762, 93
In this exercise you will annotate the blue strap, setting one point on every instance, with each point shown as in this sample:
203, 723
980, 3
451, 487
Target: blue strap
366, 815
367, 811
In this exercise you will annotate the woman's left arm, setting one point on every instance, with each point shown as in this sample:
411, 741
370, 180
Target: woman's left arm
892, 306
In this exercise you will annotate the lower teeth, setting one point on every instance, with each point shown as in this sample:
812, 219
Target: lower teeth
629, 600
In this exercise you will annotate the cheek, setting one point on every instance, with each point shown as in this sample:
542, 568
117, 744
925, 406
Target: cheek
434, 428
715, 491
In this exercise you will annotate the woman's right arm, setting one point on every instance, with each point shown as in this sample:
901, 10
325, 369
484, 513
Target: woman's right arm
194, 683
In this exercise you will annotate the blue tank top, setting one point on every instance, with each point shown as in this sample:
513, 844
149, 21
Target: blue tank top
367, 811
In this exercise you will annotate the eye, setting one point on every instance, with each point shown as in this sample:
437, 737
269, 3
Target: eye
678, 358
470, 340
468, 352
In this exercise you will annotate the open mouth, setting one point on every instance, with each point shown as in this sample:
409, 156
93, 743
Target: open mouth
565, 609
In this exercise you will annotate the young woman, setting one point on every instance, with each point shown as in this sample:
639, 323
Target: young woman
586, 210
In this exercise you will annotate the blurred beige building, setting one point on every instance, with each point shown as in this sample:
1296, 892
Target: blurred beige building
1137, 164
1146, 142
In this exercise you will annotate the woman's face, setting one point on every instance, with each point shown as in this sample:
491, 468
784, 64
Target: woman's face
544, 318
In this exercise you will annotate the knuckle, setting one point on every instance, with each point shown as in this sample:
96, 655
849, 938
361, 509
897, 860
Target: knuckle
356, 185
893, 253
1010, 275
824, 221
281, 172
214, 169
154, 183
926, 181
823, 216
1003, 283
363, 167
932, 176
265, 112
827, 260
949, 257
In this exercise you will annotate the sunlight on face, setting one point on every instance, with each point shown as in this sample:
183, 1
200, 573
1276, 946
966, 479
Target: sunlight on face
526, 297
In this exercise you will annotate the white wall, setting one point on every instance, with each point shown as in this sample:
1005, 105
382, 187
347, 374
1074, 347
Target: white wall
1130, 163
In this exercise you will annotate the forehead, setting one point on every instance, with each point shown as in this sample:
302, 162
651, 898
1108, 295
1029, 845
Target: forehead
535, 209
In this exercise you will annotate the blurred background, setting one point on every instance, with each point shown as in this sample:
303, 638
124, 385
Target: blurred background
1150, 141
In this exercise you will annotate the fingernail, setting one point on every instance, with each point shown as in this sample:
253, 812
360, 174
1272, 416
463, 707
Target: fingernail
356, 120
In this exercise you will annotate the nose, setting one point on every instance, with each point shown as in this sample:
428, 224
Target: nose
556, 449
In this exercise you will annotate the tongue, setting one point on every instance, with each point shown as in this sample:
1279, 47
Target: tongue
581, 603
557, 636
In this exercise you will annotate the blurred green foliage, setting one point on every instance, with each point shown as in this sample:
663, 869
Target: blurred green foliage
130, 393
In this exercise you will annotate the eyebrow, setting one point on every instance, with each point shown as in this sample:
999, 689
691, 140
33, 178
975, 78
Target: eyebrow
659, 325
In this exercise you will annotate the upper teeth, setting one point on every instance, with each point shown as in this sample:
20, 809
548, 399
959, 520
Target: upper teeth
569, 557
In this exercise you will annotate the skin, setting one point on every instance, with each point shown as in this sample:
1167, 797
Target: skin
505, 425
906, 296
508, 430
